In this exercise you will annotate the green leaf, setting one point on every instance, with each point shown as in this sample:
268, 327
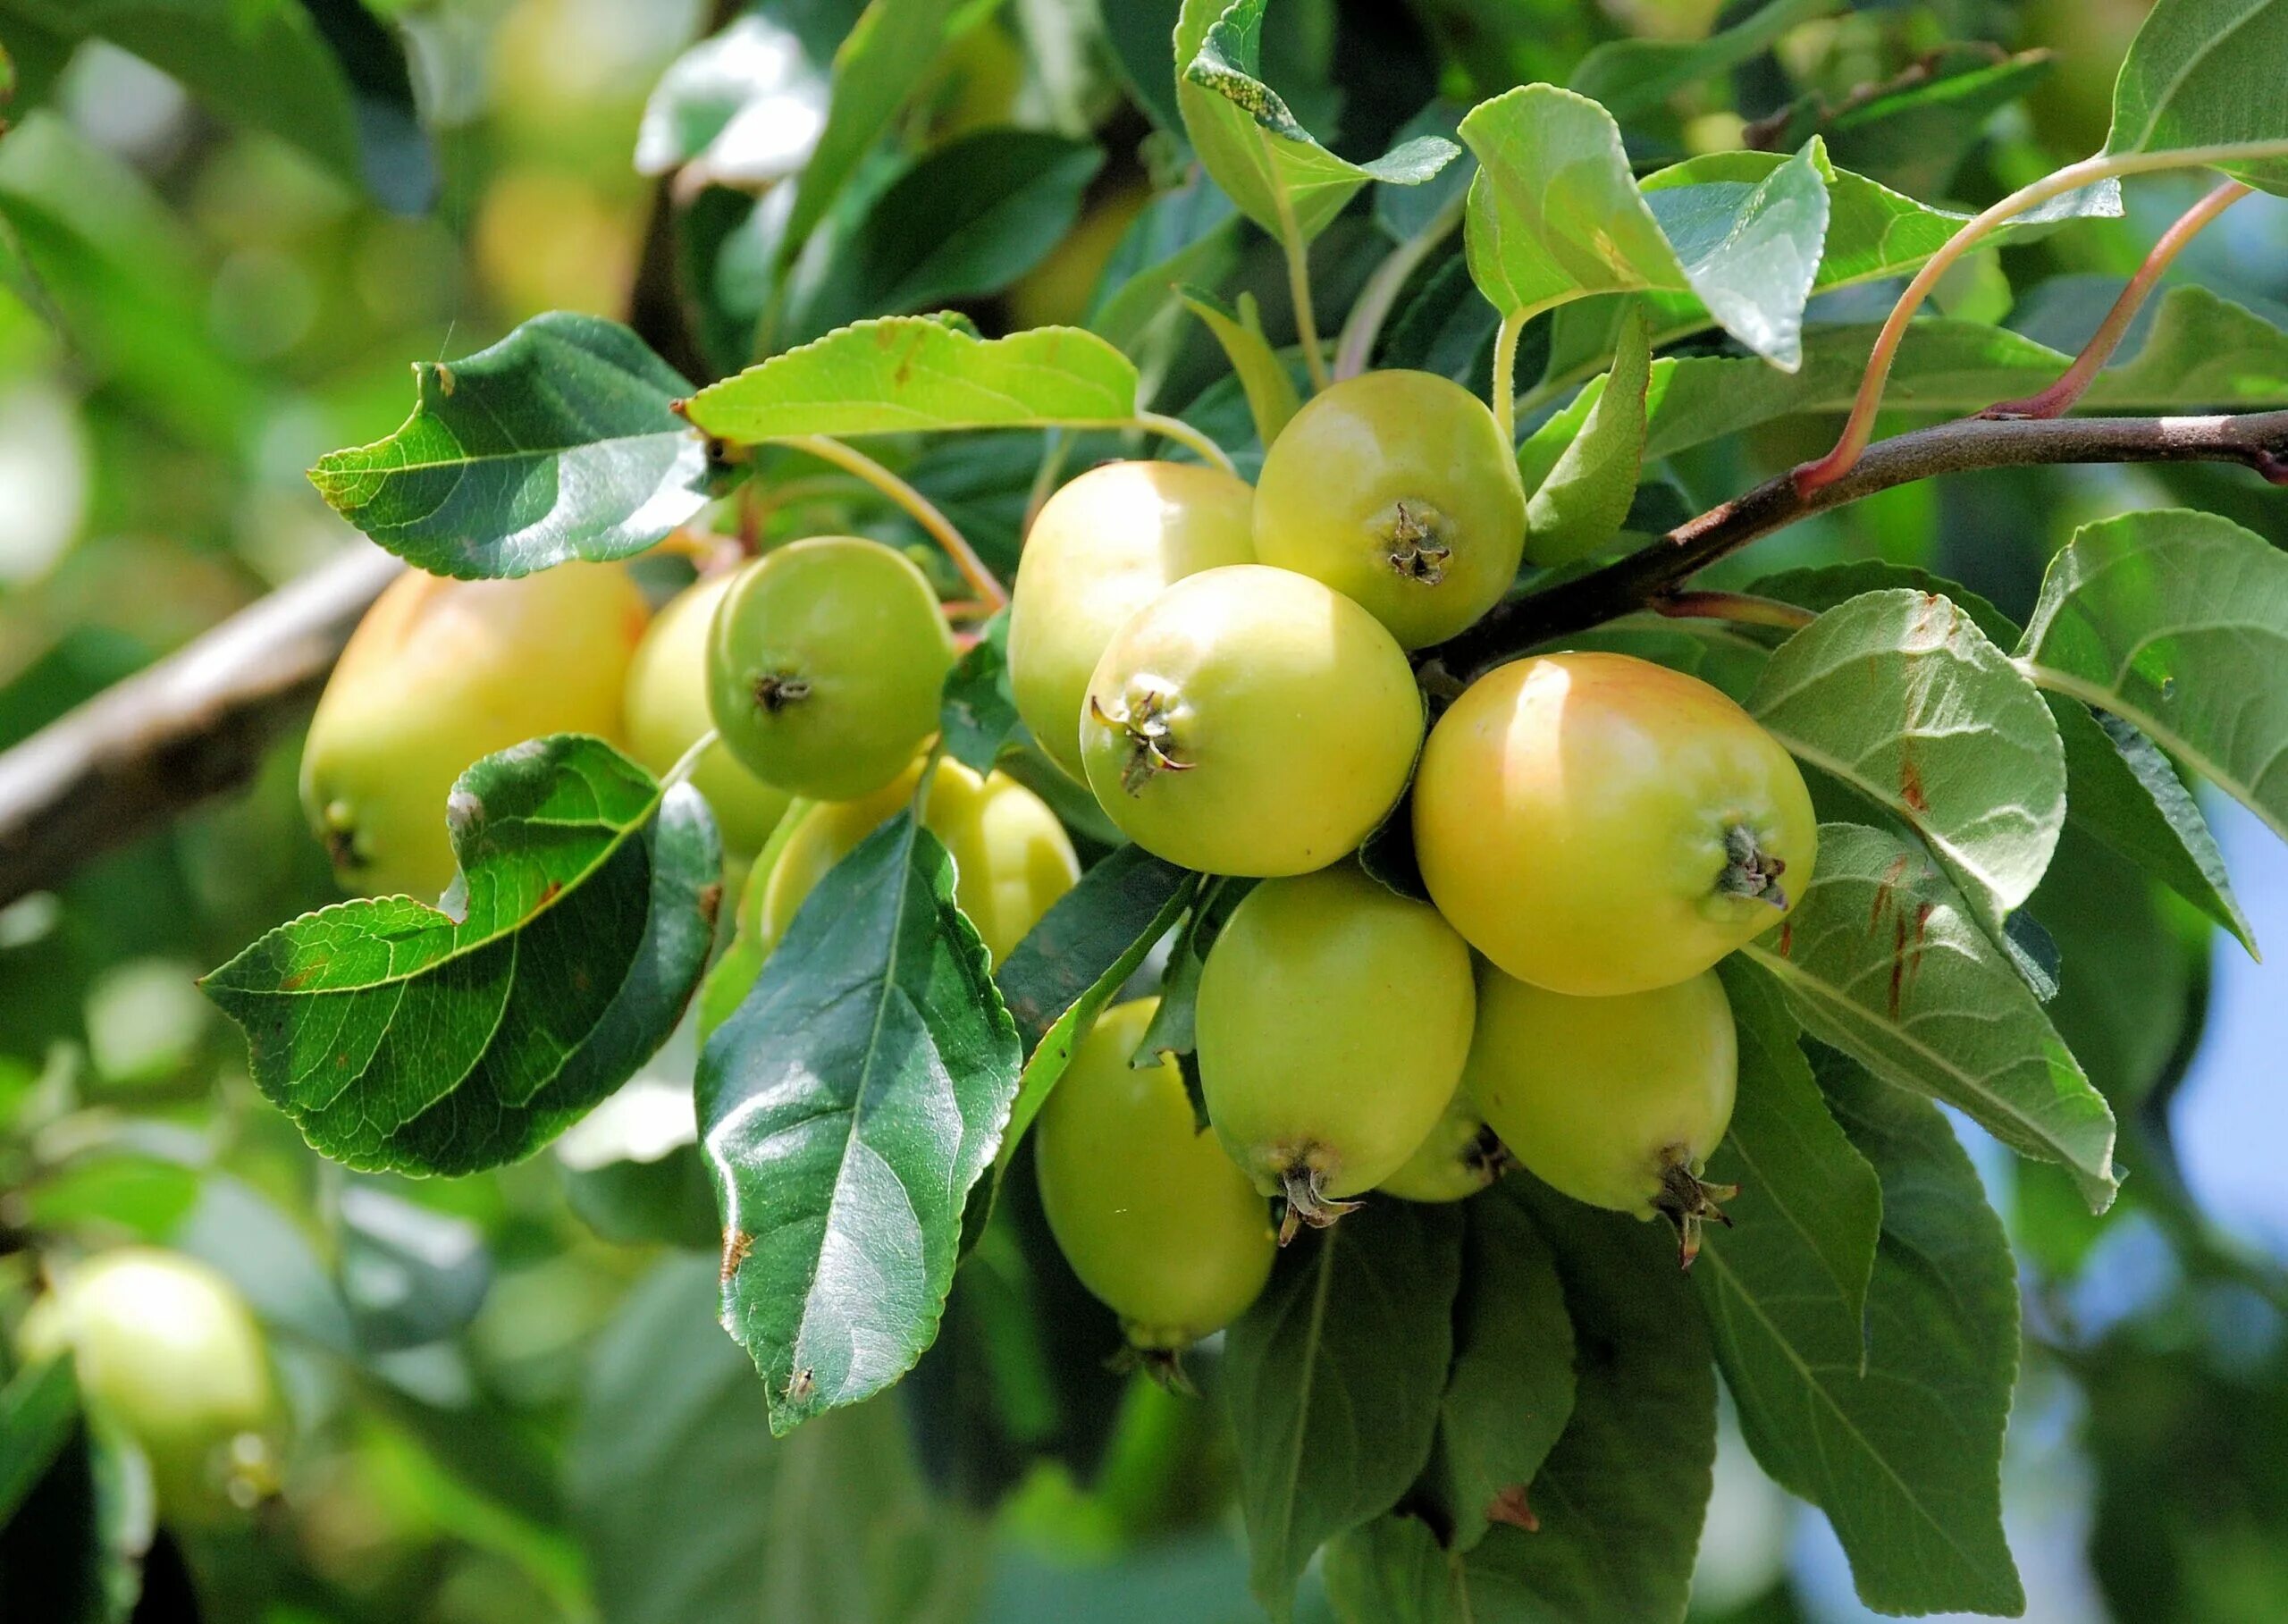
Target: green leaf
745, 106
1272, 398
1333, 1378
1555, 215
1882, 960
2120, 788
1635, 76
1898, 694
1619, 1500
1250, 143
881, 61
846, 1109
2176, 622
688, 1510
1914, 133
38, 1409
264, 66
1068, 966
1580, 505
408, 1038
1405, 212
98, 255
1897, 1435
2207, 74
1803, 1229
966, 221
1390, 1570
1511, 1391
558, 442
1188, 235
978, 719
906, 373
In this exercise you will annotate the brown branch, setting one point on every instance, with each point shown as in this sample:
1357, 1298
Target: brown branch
192, 725
2259, 441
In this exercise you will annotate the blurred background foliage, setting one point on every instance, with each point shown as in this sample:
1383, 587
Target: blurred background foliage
224, 231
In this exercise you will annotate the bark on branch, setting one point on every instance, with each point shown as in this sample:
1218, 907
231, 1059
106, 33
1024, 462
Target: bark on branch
192, 725
2256, 440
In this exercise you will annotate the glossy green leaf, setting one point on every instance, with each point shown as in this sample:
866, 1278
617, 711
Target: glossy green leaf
1272, 398
1620, 1499
39, 1408
745, 106
688, 1510
1250, 143
1555, 213
558, 442
882, 62
1332, 1378
966, 221
1883, 960
1914, 133
1801, 1240
2176, 622
1068, 966
1634, 76
846, 1108
1897, 1435
906, 373
2120, 788
1390, 1570
978, 719
1405, 212
421, 1039
2207, 74
1511, 1391
1580, 504
1898, 694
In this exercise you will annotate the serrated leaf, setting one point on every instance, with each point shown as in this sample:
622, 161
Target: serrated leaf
2176, 622
1511, 1391
1883, 960
906, 373
1405, 212
1332, 1378
1272, 398
558, 442
1555, 213
1804, 1227
1068, 966
2120, 788
881, 61
1897, 1436
1633, 76
1251, 145
846, 1110
978, 719
1620, 1499
1580, 504
1898, 694
2207, 74
402, 1037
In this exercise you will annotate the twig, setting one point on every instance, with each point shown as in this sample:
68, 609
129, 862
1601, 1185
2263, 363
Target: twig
1860, 427
2058, 398
920, 508
2256, 440
192, 725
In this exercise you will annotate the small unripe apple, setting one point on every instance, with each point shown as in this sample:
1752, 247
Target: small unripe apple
667, 712
443, 672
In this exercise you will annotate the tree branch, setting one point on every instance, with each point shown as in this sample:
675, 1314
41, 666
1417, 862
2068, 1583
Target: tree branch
2258, 439
192, 725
